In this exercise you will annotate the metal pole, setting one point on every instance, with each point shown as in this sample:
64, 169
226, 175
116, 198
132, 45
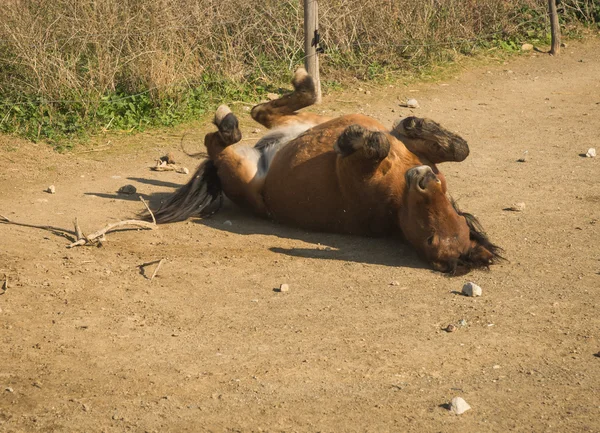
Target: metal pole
311, 60
554, 28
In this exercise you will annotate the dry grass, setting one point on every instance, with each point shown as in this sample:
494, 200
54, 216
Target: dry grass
83, 50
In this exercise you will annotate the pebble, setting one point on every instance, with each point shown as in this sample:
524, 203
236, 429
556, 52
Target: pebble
459, 406
462, 322
450, 328
526, 47
517, 207
85, 407
9, 389
591, 153
284, 288
412, 103
256, 131
524, 157
471, 289
227, 223
394, 283
51, 189
127, 189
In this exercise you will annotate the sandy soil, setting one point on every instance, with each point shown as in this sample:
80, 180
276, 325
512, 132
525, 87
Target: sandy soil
88, 343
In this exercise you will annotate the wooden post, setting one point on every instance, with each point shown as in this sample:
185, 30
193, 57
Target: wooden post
311, 59
554, 28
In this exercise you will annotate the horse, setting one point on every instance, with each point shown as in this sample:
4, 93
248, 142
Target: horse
348, 175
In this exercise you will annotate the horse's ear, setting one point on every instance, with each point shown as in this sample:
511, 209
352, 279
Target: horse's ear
481, 255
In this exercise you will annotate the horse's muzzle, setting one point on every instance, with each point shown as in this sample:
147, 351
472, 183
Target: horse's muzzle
420, 177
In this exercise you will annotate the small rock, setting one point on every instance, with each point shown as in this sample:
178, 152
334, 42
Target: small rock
37, 384
85, 407
394, 283
591, 153
284, 288
496, 367
256, 131
8, 389
183, 170
471, 289
51, 189
459, 406
462, 322
524, 157
127, 189
272, 96
563, 45
412, 103
517, 207
450, 328
526, 47
367, 92
227, 223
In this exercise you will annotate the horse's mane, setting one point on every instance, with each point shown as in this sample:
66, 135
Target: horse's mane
472, 259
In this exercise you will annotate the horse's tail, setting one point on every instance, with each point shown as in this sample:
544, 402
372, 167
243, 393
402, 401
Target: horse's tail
201, 196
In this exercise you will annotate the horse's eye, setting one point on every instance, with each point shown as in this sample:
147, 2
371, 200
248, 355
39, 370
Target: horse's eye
430, 240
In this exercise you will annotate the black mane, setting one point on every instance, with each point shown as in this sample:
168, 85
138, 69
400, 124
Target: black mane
472, 259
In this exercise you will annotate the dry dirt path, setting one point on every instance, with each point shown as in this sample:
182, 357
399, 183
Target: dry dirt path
89, 344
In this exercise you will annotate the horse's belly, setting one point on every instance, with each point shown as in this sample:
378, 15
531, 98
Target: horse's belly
302, 188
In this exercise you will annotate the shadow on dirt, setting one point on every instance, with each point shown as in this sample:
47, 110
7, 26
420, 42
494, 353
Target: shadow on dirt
327, 246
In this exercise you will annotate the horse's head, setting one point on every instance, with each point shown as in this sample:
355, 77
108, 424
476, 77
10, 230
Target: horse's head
451, 240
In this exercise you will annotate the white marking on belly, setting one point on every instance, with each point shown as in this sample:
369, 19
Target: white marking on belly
261, 155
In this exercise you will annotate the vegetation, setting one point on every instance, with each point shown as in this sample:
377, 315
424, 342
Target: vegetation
71, 67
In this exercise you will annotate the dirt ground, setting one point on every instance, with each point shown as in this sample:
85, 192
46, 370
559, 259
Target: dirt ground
89, 344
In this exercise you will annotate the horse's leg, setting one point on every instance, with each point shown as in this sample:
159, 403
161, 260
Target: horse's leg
282, 111
237, 166
429, 139
359, 142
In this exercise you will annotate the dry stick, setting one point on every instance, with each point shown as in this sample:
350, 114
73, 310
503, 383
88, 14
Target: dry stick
56, 230
157, 268
94, 236
160, 262
78, 231
148, 208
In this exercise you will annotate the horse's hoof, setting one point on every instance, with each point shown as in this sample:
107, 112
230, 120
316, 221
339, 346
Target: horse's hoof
220, 114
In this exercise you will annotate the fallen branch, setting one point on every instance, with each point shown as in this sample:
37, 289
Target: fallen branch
89, 239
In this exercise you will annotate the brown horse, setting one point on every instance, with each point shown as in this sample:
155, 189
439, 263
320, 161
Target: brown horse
350, 174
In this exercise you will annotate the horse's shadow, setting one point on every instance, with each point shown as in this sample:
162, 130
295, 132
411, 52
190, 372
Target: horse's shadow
390, 251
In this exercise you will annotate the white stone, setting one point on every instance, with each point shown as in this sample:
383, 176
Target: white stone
284, 288
51, 189
412, 103
459, 406
591, 153
526, 47
471, 289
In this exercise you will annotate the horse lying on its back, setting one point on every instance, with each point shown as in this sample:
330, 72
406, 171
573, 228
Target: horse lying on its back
348, 175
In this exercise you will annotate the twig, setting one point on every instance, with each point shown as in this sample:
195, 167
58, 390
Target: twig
148, 208
78, 231
157, 268
160, 262
56, 230
96, 235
